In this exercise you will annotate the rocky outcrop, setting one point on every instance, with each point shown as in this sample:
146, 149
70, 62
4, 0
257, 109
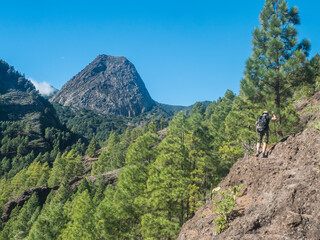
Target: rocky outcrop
109, 86
110, 177
43, 191
280, 195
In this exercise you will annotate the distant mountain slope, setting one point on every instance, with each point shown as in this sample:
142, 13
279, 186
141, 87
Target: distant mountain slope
19, 101
28, 123
88, 123
173, 109
109, 86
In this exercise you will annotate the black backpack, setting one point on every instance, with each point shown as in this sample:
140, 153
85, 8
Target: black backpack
262, 123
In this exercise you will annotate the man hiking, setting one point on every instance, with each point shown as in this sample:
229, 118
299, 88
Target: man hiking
263, 131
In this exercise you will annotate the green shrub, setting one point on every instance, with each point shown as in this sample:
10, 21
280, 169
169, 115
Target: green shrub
223, 205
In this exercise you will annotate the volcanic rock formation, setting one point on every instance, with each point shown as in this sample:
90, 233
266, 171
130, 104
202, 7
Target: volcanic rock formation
109, 86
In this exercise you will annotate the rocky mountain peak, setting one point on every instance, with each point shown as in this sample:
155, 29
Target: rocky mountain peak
109, 86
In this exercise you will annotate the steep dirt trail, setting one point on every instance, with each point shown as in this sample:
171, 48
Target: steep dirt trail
281, 195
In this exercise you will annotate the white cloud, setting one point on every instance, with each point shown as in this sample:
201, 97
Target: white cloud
44, 88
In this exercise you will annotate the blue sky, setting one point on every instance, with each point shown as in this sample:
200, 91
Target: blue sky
185, 51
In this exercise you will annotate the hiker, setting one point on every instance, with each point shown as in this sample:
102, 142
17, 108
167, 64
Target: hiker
263, 131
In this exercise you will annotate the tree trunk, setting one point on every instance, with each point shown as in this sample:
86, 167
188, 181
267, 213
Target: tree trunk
188, 210
181, 213
277, 99
205, 187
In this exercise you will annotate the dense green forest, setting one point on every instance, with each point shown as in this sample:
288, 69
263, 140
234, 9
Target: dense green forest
168, 167
88, 124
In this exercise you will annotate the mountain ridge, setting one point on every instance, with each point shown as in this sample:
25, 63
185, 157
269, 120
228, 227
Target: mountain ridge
20, 102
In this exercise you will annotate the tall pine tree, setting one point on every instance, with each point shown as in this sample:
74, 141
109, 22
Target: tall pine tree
93, 147
81, 224
276, 55
167, 185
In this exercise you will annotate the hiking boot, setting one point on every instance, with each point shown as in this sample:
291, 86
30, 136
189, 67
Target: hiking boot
264, 155
257, 154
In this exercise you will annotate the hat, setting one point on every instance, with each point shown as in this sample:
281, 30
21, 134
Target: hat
265, 112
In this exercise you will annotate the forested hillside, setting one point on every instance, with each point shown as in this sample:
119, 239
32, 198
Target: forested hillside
69, 174
29, 124
176, 172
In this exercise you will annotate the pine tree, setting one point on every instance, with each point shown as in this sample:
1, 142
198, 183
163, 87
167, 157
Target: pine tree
74, 166
217, 118
27, 216
143, 150
81, 224
33, 173
276, 55
5, 165
57, 171
99, 188
106, 216
198, 142
315, 69
53, 218
307, 78
104, 161
153, 126
85, 186
127, 203
240, 132
65, 167
45, 174
79, 147
167, 192
92, 148
7, 233
163, 123
114, 156
18, 182
198, 107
